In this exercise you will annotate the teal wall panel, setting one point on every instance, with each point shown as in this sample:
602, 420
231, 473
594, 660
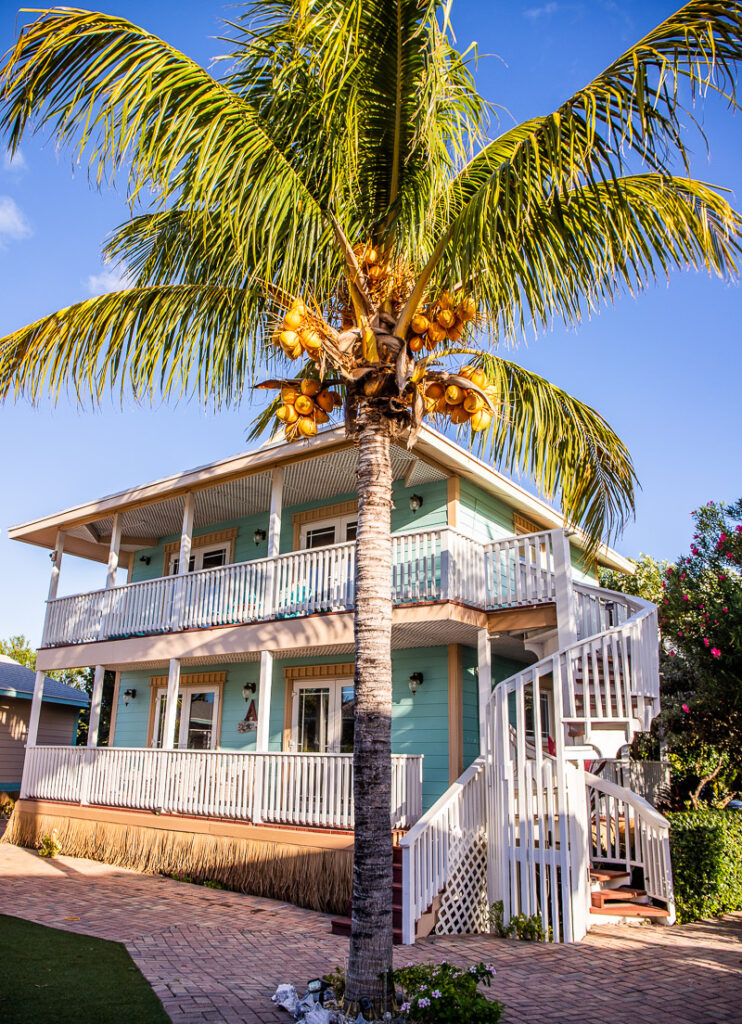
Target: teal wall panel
471, 705
481, 515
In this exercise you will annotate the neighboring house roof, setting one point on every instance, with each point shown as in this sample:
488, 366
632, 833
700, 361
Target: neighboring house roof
18, 681
434, 448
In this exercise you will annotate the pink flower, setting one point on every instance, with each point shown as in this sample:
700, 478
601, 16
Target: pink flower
706, 641
722, 578
682, 575
738, 529
686, 709
667, 600
680, 632
672, 654
715, 652
664, 585
722, 536
700, 607
725, 610
685, 597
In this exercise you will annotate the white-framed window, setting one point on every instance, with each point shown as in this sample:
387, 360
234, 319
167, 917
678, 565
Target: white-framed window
196, 717
322, 716
207, 557
334, 530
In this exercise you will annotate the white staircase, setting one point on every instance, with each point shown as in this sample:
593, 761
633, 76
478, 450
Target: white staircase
526, 824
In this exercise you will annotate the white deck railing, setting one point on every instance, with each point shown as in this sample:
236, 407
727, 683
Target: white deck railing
626, 832
282, 788
430, 565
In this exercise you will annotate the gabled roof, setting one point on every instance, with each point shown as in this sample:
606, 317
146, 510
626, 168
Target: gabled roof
433, 456
18, 681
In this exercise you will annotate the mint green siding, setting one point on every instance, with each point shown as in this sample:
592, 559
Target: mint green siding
471, 705
582, 572
481, 515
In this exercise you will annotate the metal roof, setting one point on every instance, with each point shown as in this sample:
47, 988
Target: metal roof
18, 681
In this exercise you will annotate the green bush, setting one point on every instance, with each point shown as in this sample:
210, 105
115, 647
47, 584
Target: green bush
706, 849
444, 994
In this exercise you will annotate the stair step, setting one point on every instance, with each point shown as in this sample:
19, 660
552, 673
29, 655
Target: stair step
624, 893
632, 910
607, 875
342, 926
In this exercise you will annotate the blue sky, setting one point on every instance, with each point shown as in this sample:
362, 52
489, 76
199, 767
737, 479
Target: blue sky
663, 368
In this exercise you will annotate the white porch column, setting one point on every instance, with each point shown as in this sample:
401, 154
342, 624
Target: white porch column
113, 552
171, 704
184, 558
565, 595
264, 702
274, 541
274, 525
484, 665
38, 690
95, 706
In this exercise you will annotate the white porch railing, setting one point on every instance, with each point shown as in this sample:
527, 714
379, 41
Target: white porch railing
626, 833
430, 565
282, 788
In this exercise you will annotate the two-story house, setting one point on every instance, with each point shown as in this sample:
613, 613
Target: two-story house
230, 748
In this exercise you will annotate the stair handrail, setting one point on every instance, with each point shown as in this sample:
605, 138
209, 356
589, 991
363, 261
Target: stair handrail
416, 897
650, 841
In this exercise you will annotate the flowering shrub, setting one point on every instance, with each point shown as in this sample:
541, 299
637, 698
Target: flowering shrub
49, 845
444, 994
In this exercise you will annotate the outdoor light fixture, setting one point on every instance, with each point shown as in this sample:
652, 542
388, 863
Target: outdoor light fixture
416, 681
145, 558
416, 502
248, 690
258, 537
129, 695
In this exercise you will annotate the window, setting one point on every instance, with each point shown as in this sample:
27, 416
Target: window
323, 716
202, 558
196, 717
329, 531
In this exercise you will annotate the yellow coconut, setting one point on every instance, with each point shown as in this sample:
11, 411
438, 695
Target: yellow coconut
289, 395
320, 416
455, 333
304, 405
478, 377
454, 394
446, 318
416, 343
288, 339
435, 390
310, 386
481, 420
466, 310
375, 273
287, 414
436, 333
430, 342
459, 414
442, 406
473, 402
306, 426
420, 323
310, 340
372, 256
293, 320
325, 400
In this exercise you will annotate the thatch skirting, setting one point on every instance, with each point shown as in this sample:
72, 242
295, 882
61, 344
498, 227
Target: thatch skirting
306, 875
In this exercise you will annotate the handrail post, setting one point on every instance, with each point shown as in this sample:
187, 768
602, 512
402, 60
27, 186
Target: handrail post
564, 589
408, 888
445, 565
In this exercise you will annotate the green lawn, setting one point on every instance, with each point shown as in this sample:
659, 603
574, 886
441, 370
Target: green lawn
55, 977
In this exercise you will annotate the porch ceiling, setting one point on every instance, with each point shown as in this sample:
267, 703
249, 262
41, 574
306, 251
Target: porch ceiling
316, 478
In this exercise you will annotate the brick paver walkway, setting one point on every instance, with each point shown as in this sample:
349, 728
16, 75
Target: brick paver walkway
218, 956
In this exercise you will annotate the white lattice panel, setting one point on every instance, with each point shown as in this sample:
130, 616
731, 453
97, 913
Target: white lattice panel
463, 908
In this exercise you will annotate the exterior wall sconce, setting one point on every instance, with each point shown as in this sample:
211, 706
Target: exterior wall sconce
248, 690
416, 681
129, 695
416, 502
258, 537
145, 558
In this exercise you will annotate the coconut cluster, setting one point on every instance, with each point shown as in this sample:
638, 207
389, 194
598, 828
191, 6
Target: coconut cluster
462, 404
440, 321
306, 407
299, 333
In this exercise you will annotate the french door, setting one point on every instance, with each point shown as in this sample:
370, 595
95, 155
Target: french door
322, 716
196, 717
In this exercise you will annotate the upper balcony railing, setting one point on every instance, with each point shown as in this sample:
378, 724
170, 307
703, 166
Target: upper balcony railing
431, 565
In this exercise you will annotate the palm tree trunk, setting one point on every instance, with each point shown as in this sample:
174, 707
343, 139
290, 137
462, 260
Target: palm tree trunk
371, 935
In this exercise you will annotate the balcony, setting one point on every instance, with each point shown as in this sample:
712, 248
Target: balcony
427, 566
307, 790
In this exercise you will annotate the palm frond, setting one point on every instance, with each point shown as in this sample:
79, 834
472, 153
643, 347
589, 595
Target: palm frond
169, 340
566, 447
633, 110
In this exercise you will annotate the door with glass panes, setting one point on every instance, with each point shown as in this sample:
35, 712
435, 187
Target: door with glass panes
322, 716
329, 576
196, 718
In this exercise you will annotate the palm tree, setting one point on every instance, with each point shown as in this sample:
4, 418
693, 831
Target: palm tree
334, 201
